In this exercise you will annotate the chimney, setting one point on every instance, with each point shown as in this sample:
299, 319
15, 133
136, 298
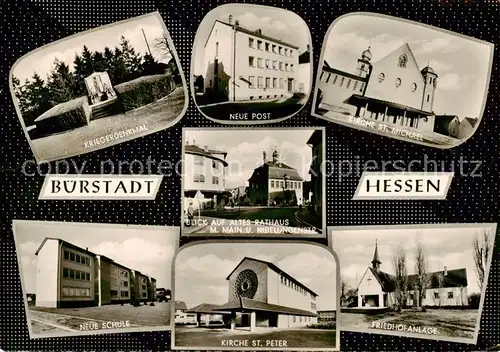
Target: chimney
445, 271
236, 23
87, 249
264, 156
258, 31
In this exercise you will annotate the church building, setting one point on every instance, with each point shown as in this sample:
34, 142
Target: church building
392, 90
376, 289
263, 295
274, 182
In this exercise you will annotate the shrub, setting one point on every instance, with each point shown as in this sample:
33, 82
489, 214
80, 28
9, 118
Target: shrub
329, 325
144, 90
474, 300
62, 117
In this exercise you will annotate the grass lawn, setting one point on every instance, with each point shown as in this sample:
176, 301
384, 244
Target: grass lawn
295, 338
155, 116
145, 315
449, 323
311, 218
277, 109
256, 214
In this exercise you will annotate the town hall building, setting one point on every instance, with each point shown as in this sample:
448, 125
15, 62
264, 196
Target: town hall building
376, 289
275, 183
393, 91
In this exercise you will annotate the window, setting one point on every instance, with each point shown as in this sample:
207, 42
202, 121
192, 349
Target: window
217, 49
144, 295
144, 287
215, 165
260, 82
268, 65
450, 294
328, 78
403, 59
114, 293
292, 67
428, 97
348, 83
292, 53
286, 52
260, 63
335, 79
66, 255
251, 42
75, 292
251, 81
281, 83
251, 61
355, 85
199, 160
72, 274
72, 256
267, 46
272, 186
413, 87
280, 50
274, 49
281, 66
436, 295
275, 65
78, 259
286, 67
362, 86
275, 82
381, 77
342, 81
125, 283
124, 294
65, 272
259, 44
87, 277
199, 178
268, 82
215, 180
398, 82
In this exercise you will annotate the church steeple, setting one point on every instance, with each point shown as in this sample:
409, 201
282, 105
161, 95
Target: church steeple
376, 260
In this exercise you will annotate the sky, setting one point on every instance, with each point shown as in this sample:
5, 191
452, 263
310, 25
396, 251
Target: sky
461, 64
201, 270
245, 147
148, 249
450, 247
274, 22
42, 60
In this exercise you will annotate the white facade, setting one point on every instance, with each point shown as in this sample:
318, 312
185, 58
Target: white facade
47, 275
445, 296
244, 65
204, 173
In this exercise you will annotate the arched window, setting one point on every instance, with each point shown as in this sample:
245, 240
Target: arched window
414, 87
381, 77
403, 59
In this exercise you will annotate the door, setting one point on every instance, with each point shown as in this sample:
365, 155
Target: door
290, 85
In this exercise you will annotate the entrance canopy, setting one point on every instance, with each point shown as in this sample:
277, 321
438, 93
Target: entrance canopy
243, 305
361, 100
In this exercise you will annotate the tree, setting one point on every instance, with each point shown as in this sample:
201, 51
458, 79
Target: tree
400, 278
161, 44
422, 277
61, 83
481, 248
131, 59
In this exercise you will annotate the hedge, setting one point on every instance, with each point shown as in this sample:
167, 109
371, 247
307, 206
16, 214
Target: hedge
62, 117
144, 90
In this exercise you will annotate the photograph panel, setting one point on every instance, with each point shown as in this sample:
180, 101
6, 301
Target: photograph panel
99, 88
402, 79
425, 281
83, 278
251, 64
253, 182
263, 296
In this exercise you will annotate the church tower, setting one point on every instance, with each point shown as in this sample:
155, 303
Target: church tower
364, 66
430, 84
276, 157
376, 260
